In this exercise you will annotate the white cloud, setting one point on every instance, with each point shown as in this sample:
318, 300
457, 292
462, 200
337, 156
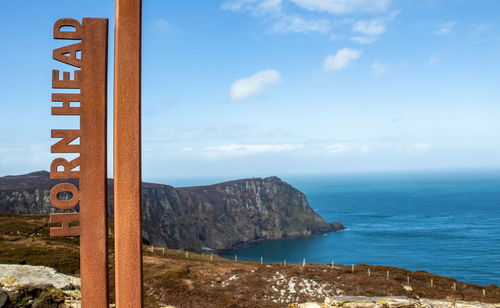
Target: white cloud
248, 149
369, 27
341, 59
300, 25
255, 84
369, 30
418, 147
310, 16
344, 148
344, 6
445, 28
379, 68
364, 39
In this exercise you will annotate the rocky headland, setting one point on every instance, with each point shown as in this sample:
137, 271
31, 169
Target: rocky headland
214, 217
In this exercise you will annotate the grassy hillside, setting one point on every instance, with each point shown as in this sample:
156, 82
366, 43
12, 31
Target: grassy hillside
172, 278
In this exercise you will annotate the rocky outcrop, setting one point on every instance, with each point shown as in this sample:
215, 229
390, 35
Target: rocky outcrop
36, 286
391, 302
220, 216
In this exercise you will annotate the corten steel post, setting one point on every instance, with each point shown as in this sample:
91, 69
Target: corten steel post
93, 181
127, 154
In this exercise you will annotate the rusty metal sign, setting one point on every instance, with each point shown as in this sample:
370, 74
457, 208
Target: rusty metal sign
85, 58
127, 154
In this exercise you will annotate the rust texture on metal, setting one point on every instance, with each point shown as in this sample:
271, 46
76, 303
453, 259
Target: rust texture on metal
65, 219
127, 154
91, 79
93, 181
61, 168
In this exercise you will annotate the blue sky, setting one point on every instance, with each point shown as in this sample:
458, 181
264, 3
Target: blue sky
275, 87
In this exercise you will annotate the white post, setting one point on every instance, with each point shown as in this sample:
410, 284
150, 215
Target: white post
211, 257
304, 262
352, 268
369, 274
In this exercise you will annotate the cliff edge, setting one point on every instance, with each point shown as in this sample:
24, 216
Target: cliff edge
219, 216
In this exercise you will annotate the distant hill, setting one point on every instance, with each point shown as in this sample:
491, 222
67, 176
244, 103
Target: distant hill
218, 217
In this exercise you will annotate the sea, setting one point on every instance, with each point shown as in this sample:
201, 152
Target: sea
443, 222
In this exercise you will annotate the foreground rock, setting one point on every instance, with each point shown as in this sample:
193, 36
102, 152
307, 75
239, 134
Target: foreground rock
37, 286
215, 217
394, 301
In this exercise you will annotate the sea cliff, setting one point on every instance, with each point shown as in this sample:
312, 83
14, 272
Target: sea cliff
214, 217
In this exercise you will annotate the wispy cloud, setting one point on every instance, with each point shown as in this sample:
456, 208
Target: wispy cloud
257, 7
300, 25
368, 30
341, 59
489, 39
162, 25
445, 28
316, 16
418, 147
246, 87
379, 68
345, 148
365, 40
344, 6
248, 149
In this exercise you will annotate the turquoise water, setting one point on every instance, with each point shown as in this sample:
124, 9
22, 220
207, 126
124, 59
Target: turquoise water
446, 223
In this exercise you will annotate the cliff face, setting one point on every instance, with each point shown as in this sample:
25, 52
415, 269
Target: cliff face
219, 216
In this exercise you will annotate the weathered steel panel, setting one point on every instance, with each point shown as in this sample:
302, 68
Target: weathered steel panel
93, 181
127, 154
91, 80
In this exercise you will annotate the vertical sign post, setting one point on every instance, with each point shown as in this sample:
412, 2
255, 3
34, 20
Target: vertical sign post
127, 154
91, 196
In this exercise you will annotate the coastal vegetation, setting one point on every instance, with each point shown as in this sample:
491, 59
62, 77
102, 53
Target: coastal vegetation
173, 277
